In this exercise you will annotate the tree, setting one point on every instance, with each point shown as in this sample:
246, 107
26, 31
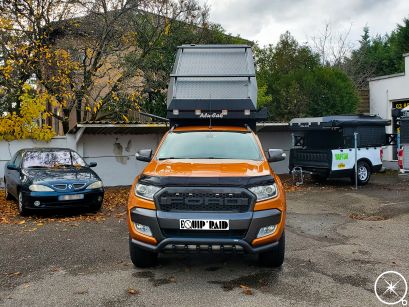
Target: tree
379, 55
74, 50
177, 23
299, 85
25, 57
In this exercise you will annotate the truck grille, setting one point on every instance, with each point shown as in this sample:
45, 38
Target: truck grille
206, 202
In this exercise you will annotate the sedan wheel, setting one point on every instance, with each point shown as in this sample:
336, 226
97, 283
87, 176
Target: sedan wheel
21, 209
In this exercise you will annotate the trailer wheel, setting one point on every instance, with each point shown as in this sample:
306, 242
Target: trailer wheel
364, 173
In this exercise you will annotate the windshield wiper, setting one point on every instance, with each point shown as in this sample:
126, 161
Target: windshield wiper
168, 158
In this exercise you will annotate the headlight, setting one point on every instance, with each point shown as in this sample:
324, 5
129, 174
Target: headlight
146, 191
95, 185
265, 192
40, 188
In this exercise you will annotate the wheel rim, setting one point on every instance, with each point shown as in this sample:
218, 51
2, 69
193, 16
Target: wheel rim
20, 202
362, 173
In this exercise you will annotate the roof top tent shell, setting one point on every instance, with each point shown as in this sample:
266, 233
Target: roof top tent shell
213, 83
338, 131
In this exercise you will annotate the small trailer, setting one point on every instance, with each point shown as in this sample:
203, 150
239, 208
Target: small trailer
403, 154
325, 146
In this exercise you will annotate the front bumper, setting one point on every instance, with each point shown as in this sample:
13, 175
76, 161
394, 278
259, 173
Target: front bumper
243, 229
49, 200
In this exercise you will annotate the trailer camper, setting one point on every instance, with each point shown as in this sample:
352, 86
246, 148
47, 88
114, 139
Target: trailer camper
325, 146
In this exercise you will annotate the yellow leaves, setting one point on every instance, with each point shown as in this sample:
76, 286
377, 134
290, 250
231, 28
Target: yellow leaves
26, 124
125, 118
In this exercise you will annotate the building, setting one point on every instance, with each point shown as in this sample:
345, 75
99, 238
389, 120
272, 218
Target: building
387, 94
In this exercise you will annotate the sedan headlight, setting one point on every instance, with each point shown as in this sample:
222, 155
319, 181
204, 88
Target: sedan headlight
146, 191
40, 188
265, 191
95, 185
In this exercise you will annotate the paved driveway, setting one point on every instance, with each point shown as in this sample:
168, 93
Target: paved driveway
338, 242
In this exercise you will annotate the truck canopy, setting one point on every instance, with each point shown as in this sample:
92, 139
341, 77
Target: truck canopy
213, 82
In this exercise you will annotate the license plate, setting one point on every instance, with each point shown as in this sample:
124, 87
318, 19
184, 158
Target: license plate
204, 224
71, 197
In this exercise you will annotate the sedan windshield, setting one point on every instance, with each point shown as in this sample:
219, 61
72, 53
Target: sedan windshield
210, 145
61, 158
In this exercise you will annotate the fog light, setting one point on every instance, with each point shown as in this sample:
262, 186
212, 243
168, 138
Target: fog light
175, 112
265, 231
224, 112
198, 112
143, 229
247, 112
37, 203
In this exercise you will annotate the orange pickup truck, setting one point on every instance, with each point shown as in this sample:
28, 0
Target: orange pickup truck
207, 190
209, 186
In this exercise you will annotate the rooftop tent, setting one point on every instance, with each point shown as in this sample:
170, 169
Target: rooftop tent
213, 82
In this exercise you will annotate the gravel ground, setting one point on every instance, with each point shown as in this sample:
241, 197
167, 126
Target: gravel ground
338, 241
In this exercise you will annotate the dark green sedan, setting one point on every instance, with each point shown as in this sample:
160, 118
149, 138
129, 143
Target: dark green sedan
52, 178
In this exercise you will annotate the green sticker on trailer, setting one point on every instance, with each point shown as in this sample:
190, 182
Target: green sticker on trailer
341, 156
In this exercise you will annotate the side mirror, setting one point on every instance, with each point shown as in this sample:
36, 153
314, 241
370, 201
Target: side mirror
92, 164
12, 167
275, 155
144, 155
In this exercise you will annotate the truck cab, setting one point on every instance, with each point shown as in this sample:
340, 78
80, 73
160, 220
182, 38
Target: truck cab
209, 187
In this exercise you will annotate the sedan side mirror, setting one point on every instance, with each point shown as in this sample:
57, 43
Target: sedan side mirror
92, 164
12, 167
144, 155
275, 155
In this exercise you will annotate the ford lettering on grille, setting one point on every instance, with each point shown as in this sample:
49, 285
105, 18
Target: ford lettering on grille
203, 202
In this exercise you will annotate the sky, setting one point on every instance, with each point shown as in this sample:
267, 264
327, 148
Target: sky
264, 20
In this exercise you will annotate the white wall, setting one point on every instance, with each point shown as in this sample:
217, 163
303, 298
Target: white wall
384, 90
115, 154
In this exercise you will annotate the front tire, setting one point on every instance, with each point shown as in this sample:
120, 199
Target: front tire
364, 173
7, 194
142, 258
274, 257
21, 208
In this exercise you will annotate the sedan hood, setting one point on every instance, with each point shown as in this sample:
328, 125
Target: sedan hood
52, 175
208, 168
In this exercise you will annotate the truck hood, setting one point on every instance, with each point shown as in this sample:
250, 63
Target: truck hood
208, 168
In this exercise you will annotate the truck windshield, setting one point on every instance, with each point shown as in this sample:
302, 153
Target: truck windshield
210, 145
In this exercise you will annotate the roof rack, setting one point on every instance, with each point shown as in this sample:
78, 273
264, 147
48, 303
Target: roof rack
215, 85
